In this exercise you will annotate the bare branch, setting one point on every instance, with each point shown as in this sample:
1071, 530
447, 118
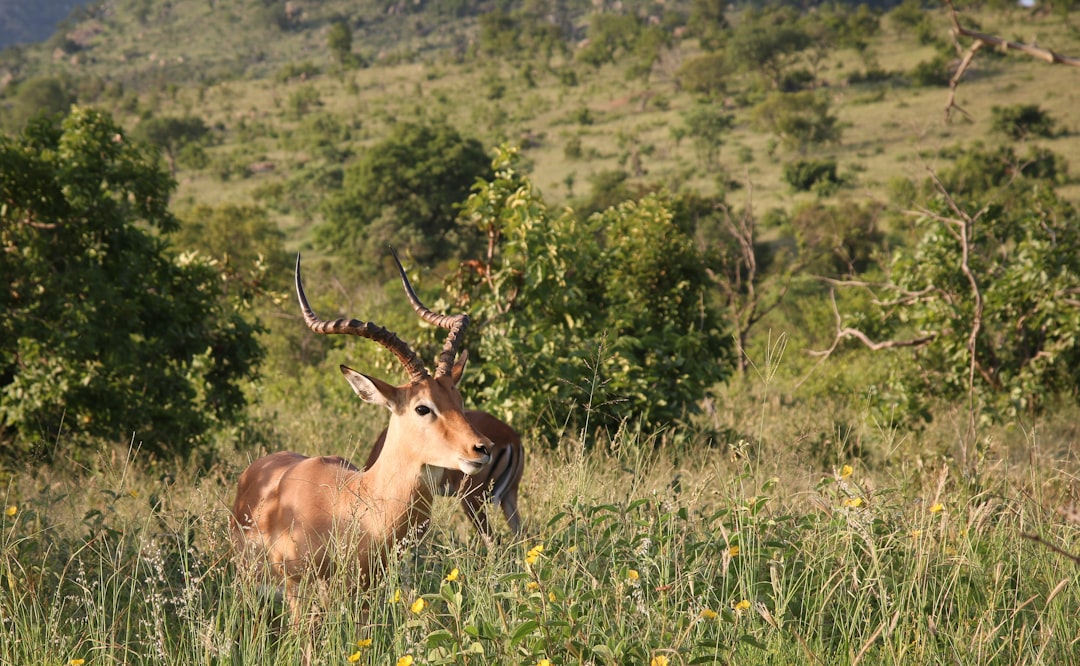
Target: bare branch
906, 297
983, 39
1005, 45
845, 332
954, 81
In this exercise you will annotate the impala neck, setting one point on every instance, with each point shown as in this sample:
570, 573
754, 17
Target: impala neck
394, 489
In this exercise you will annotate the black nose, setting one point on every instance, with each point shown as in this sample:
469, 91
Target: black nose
482, 449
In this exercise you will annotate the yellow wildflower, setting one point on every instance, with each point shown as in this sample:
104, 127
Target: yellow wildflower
658, 660
915, 534
853, 502
418, 605
551, 597
363, 643
708, 613
453, 575
544, 662
534, 554
742, 605
407, 660
733, 551
76, 662
633, 575
396, 598
937, 507
846, 471
354, 657
532, 586
11, 511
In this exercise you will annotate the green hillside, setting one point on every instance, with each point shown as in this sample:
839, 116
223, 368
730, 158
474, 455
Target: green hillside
258, 73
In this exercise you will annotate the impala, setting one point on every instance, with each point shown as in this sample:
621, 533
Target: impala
497, 483
305, 515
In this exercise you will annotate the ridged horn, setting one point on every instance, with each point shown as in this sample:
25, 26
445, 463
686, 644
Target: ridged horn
456, 324
364, 329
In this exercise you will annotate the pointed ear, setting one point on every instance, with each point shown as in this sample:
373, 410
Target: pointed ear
459, 366
370, 389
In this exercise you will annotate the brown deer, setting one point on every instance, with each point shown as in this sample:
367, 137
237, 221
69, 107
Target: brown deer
306, 515
497, 483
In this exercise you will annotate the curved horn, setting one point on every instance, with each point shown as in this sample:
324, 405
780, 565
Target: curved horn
456, 324
364, 329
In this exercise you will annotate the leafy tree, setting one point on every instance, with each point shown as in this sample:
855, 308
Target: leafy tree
595, 321
404, 192
799, 120
987, 298
646, 50
911, 16
105, 334
846, 26
339, 41
499, 34
767, 41
708, 22
705, 75
840, 240
607, 189
246, 244
805, 175
707, 124
609, 34
933, 72
526, 33
832, 27
171, 134
41, 96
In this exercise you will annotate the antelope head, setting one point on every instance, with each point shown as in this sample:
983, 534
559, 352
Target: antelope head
427, 414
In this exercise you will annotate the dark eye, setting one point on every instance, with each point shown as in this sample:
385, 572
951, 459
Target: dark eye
423, 410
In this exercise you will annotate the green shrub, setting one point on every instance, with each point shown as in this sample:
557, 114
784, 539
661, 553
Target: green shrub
804, 175
705, 75
1020, 121
596, 321
931, 73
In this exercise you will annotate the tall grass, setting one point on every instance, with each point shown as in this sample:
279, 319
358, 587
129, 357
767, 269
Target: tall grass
660, 562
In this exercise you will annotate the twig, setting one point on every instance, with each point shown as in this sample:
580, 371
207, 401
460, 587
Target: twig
844, 332
983, 39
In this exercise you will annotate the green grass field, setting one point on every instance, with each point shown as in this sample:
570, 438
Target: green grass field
743, 554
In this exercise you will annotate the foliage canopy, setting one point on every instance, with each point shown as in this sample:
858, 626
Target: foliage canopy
989, 288
104, 332
404, 192
607, 315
